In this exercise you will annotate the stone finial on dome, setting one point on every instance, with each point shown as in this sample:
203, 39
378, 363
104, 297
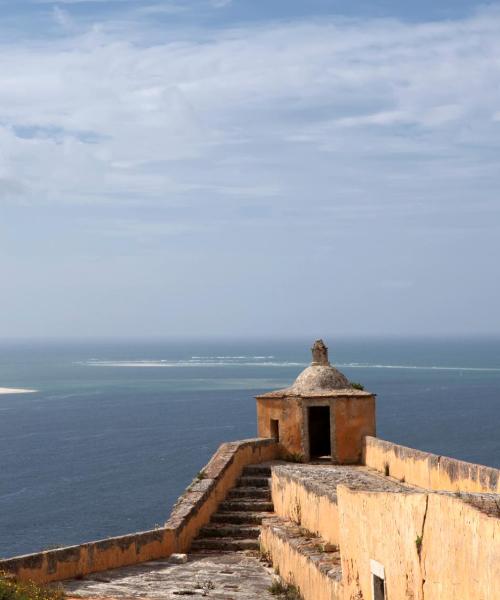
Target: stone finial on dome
320, 377
319, 354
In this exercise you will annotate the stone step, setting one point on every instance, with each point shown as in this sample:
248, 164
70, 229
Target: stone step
251, 506
278, 533
249, 493
229, 530
225, 544
243, 518
261, 482
257, 471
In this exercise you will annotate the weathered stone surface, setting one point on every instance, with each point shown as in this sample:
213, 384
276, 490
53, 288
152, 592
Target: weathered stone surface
233, 535
489, 504
430, 471
302, 560
320, 354
216, 576
324, 479
432, 545
319, 379
308, 544
384, 527
178, 559
307, 494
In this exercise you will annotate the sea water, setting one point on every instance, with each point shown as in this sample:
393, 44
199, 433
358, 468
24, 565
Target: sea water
116, 430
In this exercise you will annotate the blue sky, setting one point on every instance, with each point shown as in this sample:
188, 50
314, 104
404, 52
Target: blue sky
215, 167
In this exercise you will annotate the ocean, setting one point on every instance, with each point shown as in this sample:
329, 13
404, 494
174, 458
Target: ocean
117, 430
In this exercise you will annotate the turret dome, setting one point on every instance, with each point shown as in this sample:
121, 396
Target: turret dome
320, 376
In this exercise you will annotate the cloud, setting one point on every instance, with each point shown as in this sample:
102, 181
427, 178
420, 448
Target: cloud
167, 8
221, 3
347, 113
82, 1
62, 17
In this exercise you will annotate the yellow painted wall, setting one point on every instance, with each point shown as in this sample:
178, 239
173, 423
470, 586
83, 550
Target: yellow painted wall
295, 568
294, 502
288, 411
354, 419
65, 563
459, 557
383, 527
460, 551
429, 470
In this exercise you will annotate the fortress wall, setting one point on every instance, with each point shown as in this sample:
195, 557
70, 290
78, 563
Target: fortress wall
294, 501
381, 526
432, 546
191, 512
77, 561
200, 501
429, 470
298, 569
460, 551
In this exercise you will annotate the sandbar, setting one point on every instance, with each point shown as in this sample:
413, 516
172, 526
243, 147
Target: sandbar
4, 390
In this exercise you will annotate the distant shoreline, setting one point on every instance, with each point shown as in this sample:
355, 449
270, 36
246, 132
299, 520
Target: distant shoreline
4, 390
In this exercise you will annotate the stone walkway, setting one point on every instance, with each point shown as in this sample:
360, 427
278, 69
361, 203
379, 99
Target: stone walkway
232, 576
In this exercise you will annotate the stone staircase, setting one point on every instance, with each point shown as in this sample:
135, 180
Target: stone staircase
236, 524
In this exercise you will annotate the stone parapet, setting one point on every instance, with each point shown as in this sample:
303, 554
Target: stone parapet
192, 511
431, 545
427, 470
201, 499
307, 494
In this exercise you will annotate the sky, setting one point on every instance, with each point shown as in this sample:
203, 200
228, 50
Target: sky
249, 168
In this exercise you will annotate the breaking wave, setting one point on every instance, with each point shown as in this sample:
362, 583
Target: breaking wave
261, 361
417, 367
197, 361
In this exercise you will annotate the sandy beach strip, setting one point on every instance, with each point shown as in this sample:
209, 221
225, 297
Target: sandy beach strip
4, 390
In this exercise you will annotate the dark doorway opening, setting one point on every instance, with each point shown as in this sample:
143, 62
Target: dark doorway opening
319, 431
275, 429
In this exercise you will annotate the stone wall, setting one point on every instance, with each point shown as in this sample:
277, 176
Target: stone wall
288, 412
383, 527
433, 546
354, 420
298, 500
427, 470
297, 564
460, 550
307, 494
191, 512
200, 501
77, 561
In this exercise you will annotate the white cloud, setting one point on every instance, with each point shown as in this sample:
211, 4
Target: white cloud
220, 3
81, 1
281, 111
166, 8
62, 17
